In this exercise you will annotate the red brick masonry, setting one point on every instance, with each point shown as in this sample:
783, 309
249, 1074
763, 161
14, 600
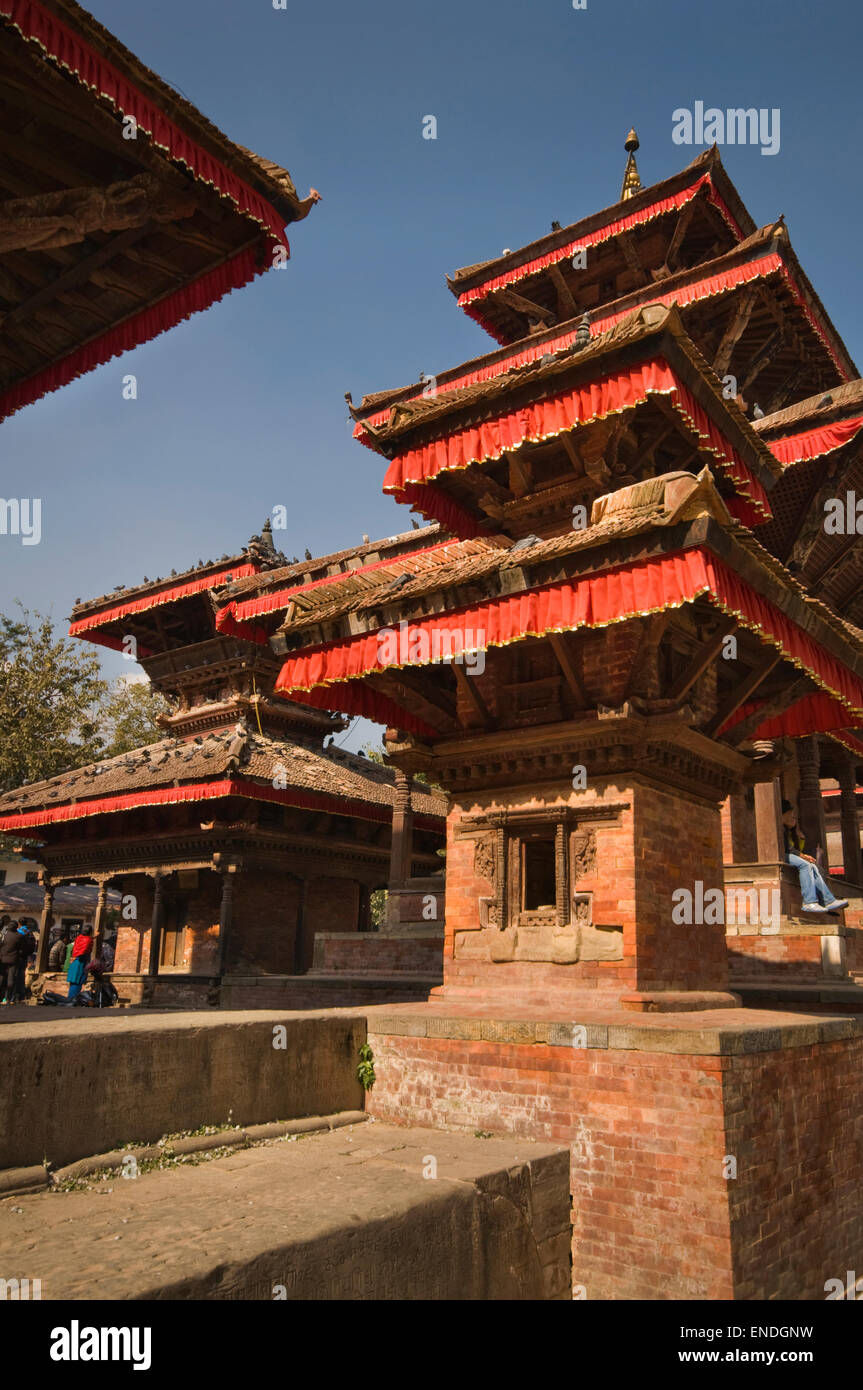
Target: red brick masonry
655, 1115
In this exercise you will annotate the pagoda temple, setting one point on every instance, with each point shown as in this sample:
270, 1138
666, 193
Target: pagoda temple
124, 210
238, 838
634, 638
606, 478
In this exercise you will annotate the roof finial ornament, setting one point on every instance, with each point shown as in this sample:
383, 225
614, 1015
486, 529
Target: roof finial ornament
631, 180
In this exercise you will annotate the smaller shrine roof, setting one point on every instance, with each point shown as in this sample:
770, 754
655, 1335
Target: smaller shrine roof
237, 762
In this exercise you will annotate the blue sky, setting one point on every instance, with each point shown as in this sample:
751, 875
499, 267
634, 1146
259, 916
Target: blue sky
242, 408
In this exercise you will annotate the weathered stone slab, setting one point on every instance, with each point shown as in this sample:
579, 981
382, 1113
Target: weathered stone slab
364, 1213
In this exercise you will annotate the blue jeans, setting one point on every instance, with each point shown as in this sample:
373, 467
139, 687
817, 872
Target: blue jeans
812, 885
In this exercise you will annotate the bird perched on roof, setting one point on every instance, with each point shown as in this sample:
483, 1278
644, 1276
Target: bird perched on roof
824, 401
757, 412
555, 226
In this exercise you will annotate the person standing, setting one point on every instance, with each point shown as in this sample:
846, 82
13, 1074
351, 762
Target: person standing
16, 946
77, 972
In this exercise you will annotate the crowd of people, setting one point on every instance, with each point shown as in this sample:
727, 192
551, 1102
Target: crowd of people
71, 953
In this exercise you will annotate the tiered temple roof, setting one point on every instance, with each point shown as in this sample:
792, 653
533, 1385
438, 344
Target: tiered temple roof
694, 317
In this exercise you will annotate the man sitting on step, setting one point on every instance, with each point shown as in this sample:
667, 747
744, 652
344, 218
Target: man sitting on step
817, 897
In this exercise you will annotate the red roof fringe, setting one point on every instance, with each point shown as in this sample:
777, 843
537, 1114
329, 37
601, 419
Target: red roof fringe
627, 591
605, 233
154, 600
139, 328
543, 419
708, 288
203, 791
813, 444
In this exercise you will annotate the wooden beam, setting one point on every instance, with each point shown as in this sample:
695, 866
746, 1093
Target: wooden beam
468, 688
566, 305
734, 331
410, 701
564, 658
743, 691
69, 215
704, 658
76, 275
520, 474
777, 705
626, 242
571, 454
681, 227
417, 684
762, 359
526, 306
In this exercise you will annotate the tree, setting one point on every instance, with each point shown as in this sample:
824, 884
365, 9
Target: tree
127, 717
50, 693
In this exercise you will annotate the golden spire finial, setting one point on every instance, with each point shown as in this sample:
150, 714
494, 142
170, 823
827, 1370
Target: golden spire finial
631, 180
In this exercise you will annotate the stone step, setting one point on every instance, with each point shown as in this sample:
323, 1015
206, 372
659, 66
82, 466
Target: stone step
369, 1212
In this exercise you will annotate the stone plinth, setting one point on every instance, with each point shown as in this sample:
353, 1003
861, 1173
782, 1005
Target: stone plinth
714, 1155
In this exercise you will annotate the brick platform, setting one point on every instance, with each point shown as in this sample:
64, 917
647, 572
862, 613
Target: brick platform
654, 1113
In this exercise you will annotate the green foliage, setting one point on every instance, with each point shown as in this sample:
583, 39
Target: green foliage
366, 1069
128, 717
378, 908
49, 697
56, 710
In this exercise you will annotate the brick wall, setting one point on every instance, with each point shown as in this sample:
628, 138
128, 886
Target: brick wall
795, 1125
264, 922
651, 1134
650, 1206
358, 953
677, 843
755, 957
659, 840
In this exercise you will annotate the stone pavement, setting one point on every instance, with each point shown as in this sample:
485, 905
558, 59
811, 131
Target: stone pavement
371, 1211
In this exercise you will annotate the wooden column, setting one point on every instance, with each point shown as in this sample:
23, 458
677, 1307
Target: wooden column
768, 822
847, 778
741, 818
226, 913
810, 810
45, 928
300, 962
99, 919
401, 849
156, 926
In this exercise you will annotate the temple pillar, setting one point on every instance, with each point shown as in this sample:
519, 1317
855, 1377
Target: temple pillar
156, 926
401, 847
45, 925
226, 911
850, 828
99, 918
810, 810
301, 964
768, 822
401, 850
